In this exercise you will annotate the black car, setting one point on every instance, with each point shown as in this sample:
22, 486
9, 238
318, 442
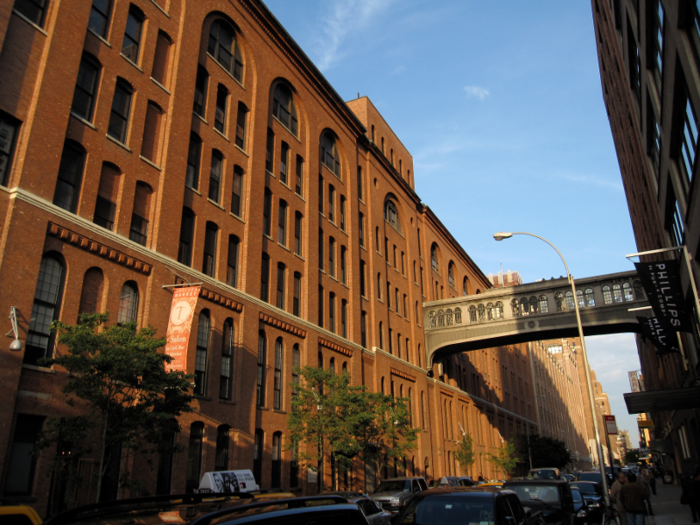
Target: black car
467, 506
592, 492
552, 497
594, 475
580, 507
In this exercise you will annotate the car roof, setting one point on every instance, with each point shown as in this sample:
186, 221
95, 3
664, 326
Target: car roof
402, 479
537, 482
466, 492
306, 513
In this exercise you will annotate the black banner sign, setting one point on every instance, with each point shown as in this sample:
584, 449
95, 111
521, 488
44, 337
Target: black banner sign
662, 283
664, 340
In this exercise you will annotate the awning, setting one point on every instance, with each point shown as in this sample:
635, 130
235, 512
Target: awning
663, 400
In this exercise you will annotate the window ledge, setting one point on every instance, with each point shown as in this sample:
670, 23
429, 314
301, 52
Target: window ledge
150, 163
241, 150
216, 204
299, 257
161, 86
200, 117
227, 401
268, 172
100, 37
130, 62
225, 70
38, 28
266, 236
81, 119
236, 217
333, 277
222, 134
298, 195
160, 8
284, 247
279, 411
193, 190
258, 407
203, 398
118, 143
364, 298
42, 369
285, 184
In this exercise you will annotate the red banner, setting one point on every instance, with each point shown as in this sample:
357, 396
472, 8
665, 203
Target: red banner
179, 327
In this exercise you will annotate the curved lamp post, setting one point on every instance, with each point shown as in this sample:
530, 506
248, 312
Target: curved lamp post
506, 235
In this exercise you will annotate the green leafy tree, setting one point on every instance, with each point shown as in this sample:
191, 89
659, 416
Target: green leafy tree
544, 450
119, 377
504, 459
464, 453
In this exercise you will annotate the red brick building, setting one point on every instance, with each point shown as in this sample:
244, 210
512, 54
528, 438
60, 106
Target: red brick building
152, 142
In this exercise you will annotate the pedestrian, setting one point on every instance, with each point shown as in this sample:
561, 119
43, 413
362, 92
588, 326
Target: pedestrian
633, 497
652, 482
615, 495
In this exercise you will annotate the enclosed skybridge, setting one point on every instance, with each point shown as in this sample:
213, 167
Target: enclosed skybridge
532, 312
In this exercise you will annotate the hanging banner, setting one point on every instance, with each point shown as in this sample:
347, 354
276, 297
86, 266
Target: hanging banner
179, 327
634, 381
662, 284
664, 339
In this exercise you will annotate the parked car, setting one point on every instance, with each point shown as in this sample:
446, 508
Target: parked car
544, 473
19, 515
594, 475
466, 481
372, 510
568, 477
467, 505
580, 507
394, 493
552, 497
592, 492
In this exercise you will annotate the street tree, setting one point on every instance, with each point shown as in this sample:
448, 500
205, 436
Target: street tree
464, 453
118, 382
504, 459
545, 451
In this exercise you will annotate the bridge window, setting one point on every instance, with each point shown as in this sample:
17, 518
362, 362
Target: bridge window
524, 310
580, 299
482, 313
441, 318
627, 290
515, 306
533, 305
590, 298
472, 314
559, 298
638, 290
544, 308
458, 315
449, 317
617, 293
570, 301
490, 314
499, 310
607, 295
432, 319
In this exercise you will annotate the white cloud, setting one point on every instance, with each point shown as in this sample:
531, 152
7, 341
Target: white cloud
343, 18
477, 91
594, 181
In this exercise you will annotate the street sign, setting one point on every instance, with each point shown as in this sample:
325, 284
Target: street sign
645, 423
634, 381
610, 424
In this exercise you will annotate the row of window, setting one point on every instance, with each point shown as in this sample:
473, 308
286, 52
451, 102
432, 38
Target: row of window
401, 347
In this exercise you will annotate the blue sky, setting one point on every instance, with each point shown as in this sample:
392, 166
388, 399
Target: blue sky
501, 107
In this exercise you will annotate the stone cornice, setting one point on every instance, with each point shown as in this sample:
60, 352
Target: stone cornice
278, 323
335, 347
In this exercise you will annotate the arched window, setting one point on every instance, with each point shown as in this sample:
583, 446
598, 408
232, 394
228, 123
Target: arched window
590, 298
490, 313
107, 196
580, 298
277, 402
391, 215
499, 310
441, 318
47, 300
482, 313
91, 293
570, 300
284, 109
544, 304
329, 153
70, 175
223, 47
431, 316
226, 360
465, 286
515, 308
262, 350
607, 295
617, 293
524, 308
458, 316
559, 299
138, 232
533, 305
128, 303
638, 290
627, 292
200, 367
472, 314
331, 366
448, 313
222, 447
451, 274
194, 158
434, 258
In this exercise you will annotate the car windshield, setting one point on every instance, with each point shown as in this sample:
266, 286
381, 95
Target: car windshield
454, 510
590, 476
587, 489
538, 493
394, 486
541, 474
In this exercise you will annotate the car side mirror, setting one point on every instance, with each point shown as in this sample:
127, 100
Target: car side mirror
510, 520
528, 512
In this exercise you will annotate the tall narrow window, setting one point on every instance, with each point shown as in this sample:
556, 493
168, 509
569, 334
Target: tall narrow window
277, 401
70, 175
298, 186
241, 120
200, 91
47, 301
342, 212
284, 163
200, 367
99, 17
391, 215
320, 249
184, 251
363, 277
217, 161
282, 223
119, 116
320, 306
296, 306
8, 131
237, 191
138, 232
331, 312
329, 154
265, 278
331, 256
320, 194
209, 260
344, 318
262, 360
331, 203
689, 140
221, 103
150, 145
227, 345
107, 194
222, 446
362, 230
360, 185
194, 154
258, 445
224, 48
283, 108
232, 261
657, 37
269, 150
343, 265
161, 60
132, 35
276, 478
194, 456
267, 213
281, 278
86, 88
363, 329
297, 232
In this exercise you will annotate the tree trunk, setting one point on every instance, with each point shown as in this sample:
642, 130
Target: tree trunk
102, 461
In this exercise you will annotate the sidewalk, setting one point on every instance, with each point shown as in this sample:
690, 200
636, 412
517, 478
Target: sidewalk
667, 506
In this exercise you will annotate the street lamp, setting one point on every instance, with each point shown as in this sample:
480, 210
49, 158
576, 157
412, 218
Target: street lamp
601, 462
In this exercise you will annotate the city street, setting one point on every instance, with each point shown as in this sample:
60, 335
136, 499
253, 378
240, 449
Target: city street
667, 507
